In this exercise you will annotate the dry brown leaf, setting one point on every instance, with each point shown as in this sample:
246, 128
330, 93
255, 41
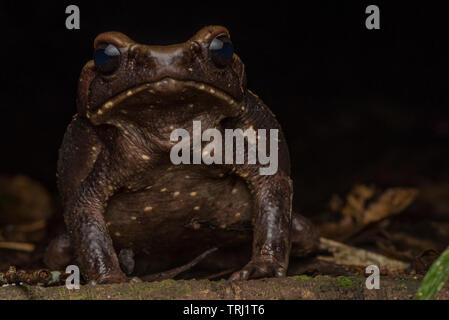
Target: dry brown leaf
347, 255
389, 203
365, 205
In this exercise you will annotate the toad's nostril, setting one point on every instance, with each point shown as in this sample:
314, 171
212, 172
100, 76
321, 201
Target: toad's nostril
195, 48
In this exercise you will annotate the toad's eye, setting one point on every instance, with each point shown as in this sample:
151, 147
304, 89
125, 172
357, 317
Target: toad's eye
106, 58
221, 50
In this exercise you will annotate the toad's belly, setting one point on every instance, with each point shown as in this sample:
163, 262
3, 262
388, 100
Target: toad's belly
179, 218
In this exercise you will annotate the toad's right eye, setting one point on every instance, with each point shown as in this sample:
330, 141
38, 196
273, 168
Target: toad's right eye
106, 58
221, 50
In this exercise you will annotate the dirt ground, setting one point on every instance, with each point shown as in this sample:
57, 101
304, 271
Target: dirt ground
299, 287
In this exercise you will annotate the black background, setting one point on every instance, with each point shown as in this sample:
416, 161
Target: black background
356, 105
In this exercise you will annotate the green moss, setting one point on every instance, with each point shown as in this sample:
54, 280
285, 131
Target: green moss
166, 283
343, 281
303, 277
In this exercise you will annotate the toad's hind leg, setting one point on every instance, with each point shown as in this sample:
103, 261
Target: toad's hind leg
304, 235
60, 253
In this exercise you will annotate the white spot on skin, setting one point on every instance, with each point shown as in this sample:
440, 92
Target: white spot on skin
148, 188
202, 87
145, 157
94, 148
190, 105
108, 224
190, 69
148, 209
187, 177
234, 191
196, 208
212, 91
117, 234
171, 127
108, 105
193, 194
223, 226
163, 189
129, 93
237, 214
243, 108
100, 112
176, 193
133, 218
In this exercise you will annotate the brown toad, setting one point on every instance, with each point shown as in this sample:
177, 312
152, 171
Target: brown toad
121, 191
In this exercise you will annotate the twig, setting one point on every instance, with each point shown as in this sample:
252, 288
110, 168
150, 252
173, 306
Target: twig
219, 274
169, 274
347, 255
14, 276
19, 246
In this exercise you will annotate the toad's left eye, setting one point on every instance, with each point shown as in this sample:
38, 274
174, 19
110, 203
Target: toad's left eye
106, 58
221, 50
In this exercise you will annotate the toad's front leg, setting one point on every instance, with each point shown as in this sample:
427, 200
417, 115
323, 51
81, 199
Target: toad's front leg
83, 216
272, 223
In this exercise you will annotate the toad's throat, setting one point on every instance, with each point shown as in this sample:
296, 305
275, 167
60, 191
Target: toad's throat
164, 92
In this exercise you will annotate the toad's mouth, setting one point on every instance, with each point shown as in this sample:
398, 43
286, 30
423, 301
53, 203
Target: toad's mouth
166, 92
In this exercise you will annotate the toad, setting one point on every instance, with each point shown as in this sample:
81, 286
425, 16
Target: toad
121, 192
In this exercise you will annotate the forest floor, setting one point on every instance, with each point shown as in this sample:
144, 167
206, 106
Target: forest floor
402, 230
296, 287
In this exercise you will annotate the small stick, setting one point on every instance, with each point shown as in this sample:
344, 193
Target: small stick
169, 274
19, 246
219, 274
14, 276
